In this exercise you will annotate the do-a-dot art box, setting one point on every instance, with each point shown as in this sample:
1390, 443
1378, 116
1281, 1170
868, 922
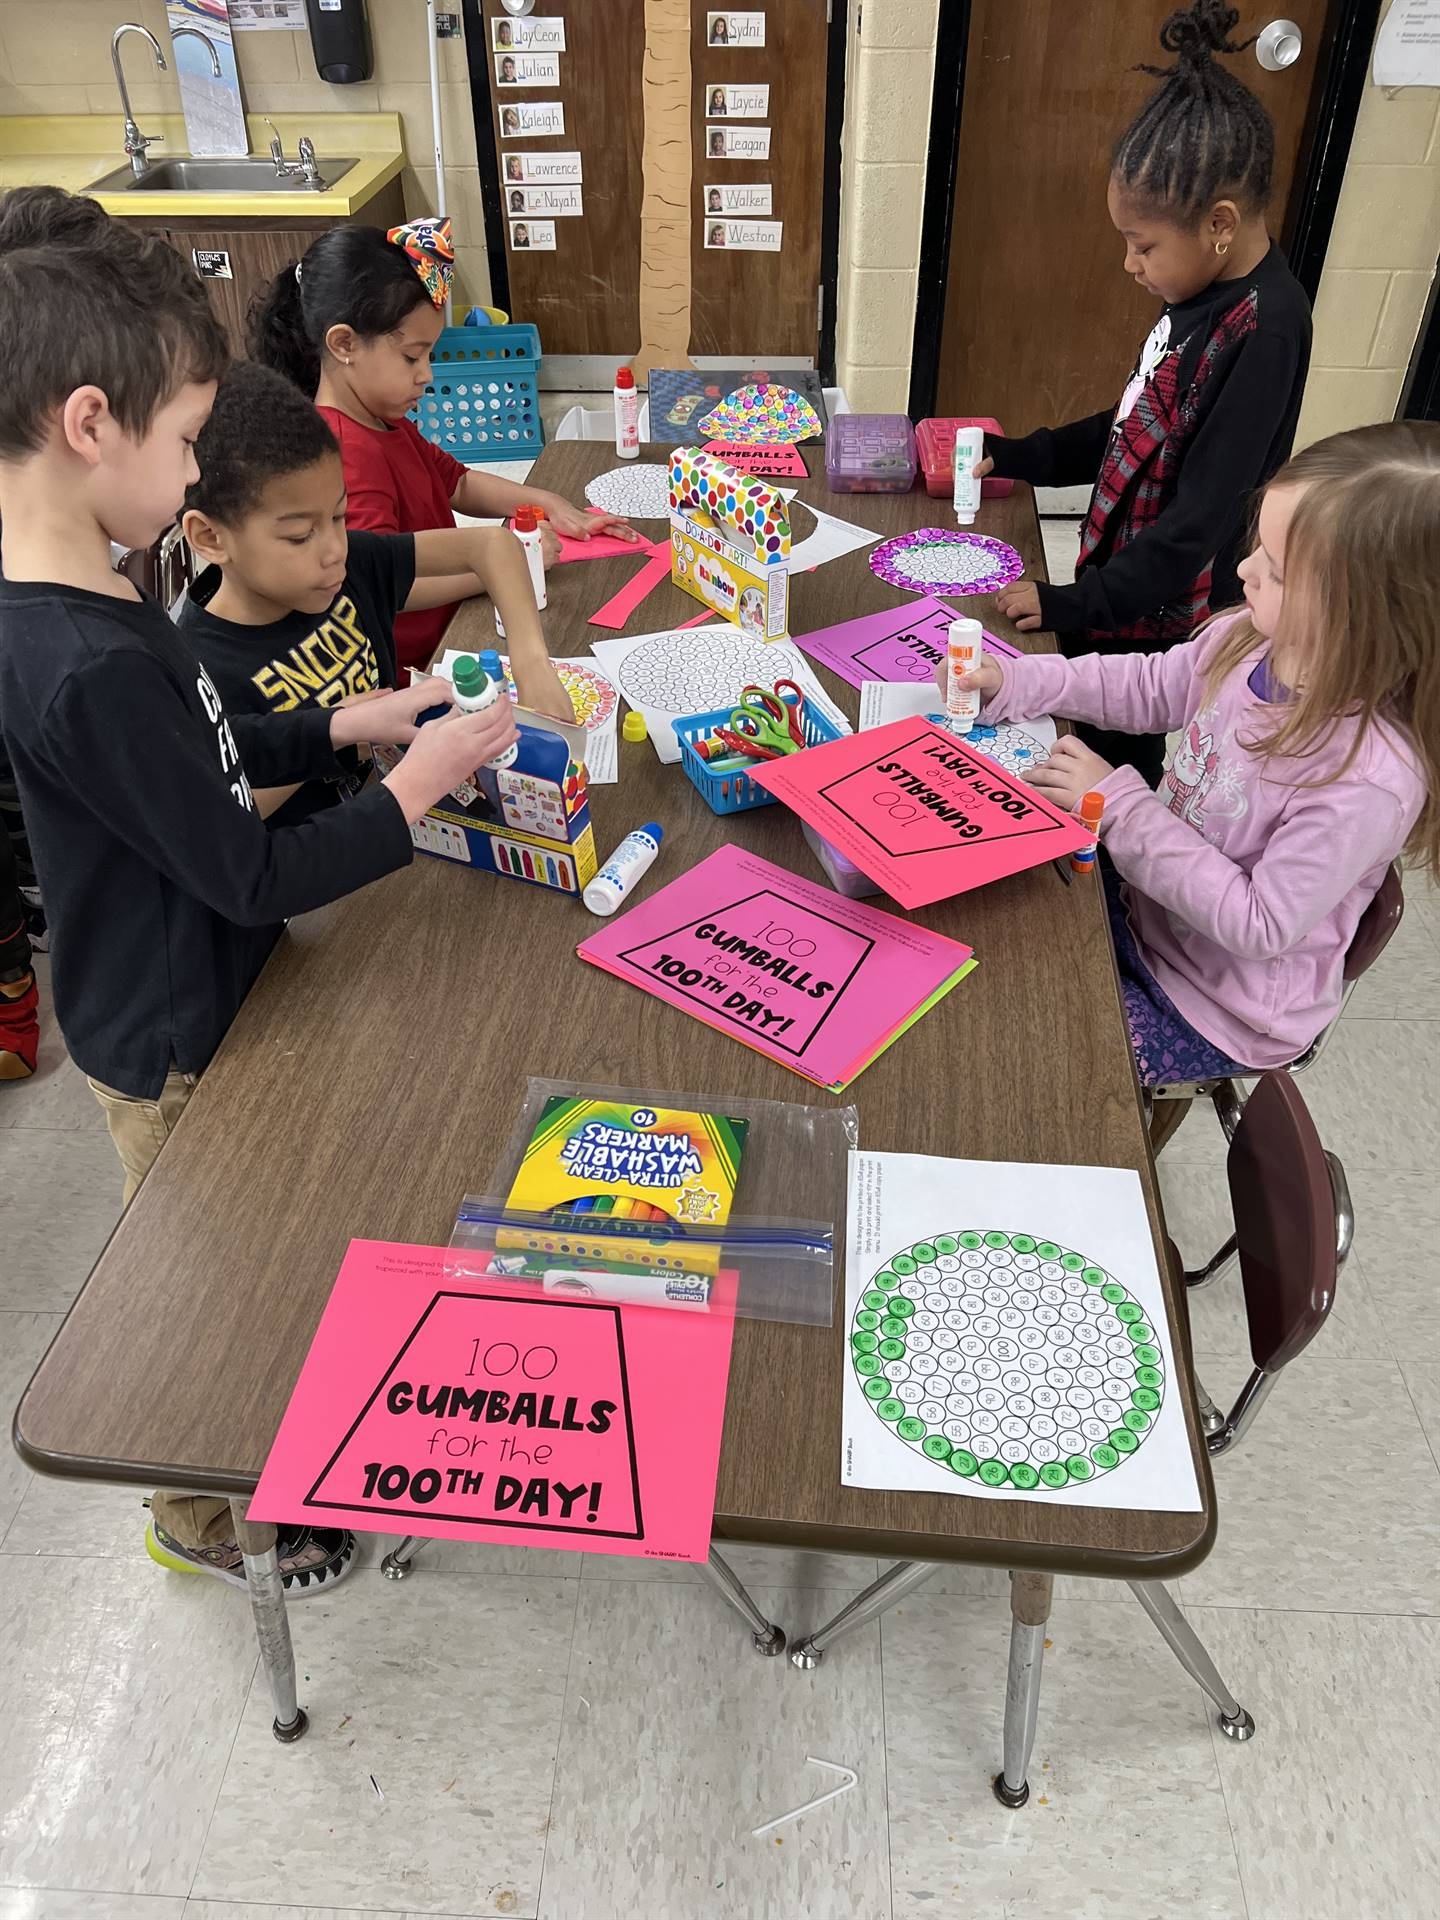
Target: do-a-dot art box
730, 542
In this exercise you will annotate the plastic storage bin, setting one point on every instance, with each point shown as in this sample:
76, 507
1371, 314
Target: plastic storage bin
842, 873
734, 791
870, 453
935, 444
482, 402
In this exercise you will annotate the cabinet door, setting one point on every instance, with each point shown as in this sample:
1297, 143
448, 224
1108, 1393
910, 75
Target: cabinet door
236, 262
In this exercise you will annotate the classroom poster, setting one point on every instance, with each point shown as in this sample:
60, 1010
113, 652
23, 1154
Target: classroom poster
527, 69
737, 103
542, 169
737, 143
755, 201
744, 236
766, 463
471, 1408
921, 813
534, 236
536, 118
1008, 1338
555, 203
735, 29
535, 33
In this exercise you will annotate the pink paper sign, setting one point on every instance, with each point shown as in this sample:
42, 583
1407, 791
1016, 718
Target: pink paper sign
795, 971
920, 813
768, 463
475, 1409
902, 643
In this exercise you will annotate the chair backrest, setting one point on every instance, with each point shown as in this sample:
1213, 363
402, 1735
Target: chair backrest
1284, 1205
1377, 925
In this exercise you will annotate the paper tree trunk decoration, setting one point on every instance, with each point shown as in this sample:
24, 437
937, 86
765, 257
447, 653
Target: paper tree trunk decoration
665, 208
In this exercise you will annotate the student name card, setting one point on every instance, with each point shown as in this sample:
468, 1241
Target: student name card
527, 69
555, 203
753, 202
539, 31
466, 1407
737, 103
735, 29
536, 118
744, 236
532, 236
919, 812
543, 169
766, 463
737, 143
903, 643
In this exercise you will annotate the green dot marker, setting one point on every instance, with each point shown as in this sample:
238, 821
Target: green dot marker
864, 1342
1105, 1457
1053, 1474
1113, 1292
1127, 1313
890, 1409
946, 1243
893, 1329
1022, 1243
875, 1300
910, 1428
1137, 1421
1072, 1262
902, 1308
924, 1253
892, 1349
867, 1366
1078, 1467
877, 1389
1139, 1333
902, 1263
1094, 1276
1143, 1398
964, 1463
1148, 1356
1047, 1250
997, 1240
886, 1279
866, 1321
937, 1447
1022, 1476
994, 1473
970, 1241
1149, 1377
1123, 1440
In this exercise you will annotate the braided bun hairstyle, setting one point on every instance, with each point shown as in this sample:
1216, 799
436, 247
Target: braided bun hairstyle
1202, 136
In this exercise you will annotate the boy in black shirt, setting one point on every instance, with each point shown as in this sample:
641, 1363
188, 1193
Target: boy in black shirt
165, 892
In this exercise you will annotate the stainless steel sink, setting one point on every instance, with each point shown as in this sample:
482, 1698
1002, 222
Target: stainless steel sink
186, 175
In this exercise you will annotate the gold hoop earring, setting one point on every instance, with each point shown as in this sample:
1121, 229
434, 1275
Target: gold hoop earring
1222, 251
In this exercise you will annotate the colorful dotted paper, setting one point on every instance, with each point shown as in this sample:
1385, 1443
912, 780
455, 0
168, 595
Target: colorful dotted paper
751, 510
936, 560
757, 415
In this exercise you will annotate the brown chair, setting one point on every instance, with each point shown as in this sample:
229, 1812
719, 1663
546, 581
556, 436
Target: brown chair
163, 571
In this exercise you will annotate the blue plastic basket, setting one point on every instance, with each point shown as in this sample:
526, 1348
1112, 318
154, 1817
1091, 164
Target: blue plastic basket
482, 402
735, 791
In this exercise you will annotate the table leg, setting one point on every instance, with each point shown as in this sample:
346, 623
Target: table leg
272, 1623
1029, 1611
766, 1637
880, 1595
399, 1563
1189, 1649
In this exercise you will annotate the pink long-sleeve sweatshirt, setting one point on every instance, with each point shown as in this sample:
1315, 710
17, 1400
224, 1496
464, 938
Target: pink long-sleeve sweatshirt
1246, 875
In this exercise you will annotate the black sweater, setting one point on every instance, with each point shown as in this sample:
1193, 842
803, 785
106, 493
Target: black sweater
164, 890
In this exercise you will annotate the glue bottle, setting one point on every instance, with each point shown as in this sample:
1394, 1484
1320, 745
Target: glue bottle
969, 452
526, 529
627, 415
962, 656
632, 858
474, 692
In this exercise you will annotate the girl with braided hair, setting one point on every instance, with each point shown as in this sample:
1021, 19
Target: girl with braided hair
1209, 411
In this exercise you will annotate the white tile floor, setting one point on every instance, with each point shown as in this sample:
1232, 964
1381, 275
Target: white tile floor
581, 1738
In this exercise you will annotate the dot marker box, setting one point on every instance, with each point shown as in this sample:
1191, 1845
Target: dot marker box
730, 542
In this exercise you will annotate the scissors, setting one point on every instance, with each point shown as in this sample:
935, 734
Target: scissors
766, 724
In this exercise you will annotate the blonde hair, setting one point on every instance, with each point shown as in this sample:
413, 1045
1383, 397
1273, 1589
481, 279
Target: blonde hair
1362, 603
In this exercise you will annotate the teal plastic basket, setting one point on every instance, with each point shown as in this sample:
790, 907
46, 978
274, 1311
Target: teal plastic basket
482, 402
735, 791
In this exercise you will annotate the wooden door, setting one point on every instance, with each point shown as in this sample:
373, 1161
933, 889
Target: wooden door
1049, 86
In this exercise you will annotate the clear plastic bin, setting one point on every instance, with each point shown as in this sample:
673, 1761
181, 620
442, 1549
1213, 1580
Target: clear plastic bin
870, 453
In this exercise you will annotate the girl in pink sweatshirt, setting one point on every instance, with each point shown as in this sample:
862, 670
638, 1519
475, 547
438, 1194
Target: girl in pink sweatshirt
1308, 760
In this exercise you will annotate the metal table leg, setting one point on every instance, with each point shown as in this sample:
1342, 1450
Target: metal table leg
766, 1637
399, 1563
1189, 1650
272, 1624
1029, 1611
880, 1595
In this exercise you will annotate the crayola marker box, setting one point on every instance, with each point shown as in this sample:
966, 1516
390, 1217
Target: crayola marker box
613, 1178
730, 542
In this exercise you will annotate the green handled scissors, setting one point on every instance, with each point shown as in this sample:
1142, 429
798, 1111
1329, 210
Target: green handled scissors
771, 718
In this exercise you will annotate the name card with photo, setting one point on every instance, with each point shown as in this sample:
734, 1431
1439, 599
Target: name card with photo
737, 143
532, 236
547, 31
542, 169
754, 200
744, 236
554, 202
735, 29
535, 117
527, 69
737, 103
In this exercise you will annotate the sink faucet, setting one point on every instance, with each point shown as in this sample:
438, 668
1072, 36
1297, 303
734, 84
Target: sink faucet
177, 33
307, 166
135, 141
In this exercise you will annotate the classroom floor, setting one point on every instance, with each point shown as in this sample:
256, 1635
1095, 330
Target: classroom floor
581, 1738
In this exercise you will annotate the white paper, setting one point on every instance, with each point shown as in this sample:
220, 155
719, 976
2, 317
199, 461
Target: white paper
555, 203
754, 201
536, 31
1032, 1368
267, 16
1017, 745
677, 672
532, 236
744, 236
737, 143
737, 103
527, 69
735, 29
542, 169
538, 118
831, 540
640, 491
1407, 47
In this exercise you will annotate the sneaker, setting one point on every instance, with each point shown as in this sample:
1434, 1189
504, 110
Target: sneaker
19, 1027
36, 925
311, 1558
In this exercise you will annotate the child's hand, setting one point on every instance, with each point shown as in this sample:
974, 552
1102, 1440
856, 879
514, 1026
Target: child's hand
982, 467
1021, 604
447, 752
578, 525
1072, 770
387, 719
549, 545
540, 688
986, 680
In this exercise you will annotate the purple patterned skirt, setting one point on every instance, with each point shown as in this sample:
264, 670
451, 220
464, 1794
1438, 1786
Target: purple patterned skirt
1168, 1051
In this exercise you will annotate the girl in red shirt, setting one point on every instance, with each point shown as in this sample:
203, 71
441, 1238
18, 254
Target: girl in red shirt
353, 325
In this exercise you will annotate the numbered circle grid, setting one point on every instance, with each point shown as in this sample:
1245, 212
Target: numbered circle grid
941, 560
1007, 1360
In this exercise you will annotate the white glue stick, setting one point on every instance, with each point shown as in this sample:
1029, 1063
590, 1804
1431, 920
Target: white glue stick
526, 529
474, 692
627, 415
631, 859
969, 452
962, 656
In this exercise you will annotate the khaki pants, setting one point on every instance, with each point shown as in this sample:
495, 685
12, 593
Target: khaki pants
139, 1128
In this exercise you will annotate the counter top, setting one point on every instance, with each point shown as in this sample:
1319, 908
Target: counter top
72, 150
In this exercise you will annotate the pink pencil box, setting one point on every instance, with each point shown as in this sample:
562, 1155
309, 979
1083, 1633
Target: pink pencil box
935, 448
